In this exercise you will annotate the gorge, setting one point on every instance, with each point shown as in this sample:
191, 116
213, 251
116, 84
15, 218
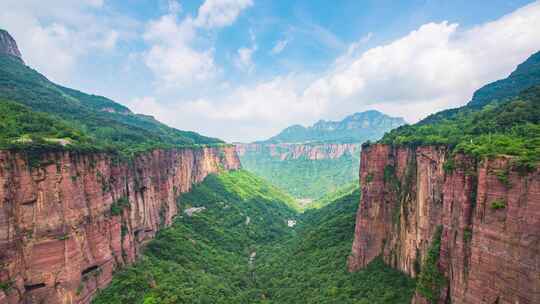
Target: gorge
101, 205
309, 162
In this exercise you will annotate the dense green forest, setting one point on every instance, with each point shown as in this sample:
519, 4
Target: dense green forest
304, 178
85, 118
240, 249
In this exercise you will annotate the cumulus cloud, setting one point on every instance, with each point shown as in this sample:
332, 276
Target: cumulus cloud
436, 66
172, 56
54, 35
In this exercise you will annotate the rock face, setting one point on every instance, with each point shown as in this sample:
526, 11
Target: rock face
489, 213
68, 221
287, 151
8, 45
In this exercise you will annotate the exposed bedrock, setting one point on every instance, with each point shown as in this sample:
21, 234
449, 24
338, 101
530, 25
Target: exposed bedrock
489, 213
68, 221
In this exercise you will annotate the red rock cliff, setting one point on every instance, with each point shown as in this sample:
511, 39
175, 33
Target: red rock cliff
285, 151
67, 224
489, 213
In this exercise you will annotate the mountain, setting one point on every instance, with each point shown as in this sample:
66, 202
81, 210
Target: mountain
453, 200
8, 45
526, 74
355, 128
311, 162
234, 244
101, 124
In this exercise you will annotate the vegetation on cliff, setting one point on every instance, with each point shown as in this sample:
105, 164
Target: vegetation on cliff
19, 126
503, 118
510, 127
431, 279
240, 249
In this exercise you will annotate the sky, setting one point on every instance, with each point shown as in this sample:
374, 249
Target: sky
242, 70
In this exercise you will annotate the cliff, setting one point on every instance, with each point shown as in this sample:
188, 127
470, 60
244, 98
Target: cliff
8, 45
68, 221
469, 230
285, 151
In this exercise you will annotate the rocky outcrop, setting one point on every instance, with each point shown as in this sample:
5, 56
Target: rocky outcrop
286, 151
487, 214
68, 221
8, 45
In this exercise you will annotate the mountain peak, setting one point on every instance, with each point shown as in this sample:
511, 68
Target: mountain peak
357, 127
8, 45
524, 76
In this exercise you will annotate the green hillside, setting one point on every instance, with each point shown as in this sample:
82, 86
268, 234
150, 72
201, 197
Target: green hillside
208, 257
309, 179
304, 178
104, 123
506, 127
527, 74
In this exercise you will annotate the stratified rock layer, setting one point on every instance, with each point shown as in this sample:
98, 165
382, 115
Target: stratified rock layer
68, 221
284, 151
488, 254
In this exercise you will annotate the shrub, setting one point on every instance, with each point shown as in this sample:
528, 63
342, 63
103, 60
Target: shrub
118, 206
431, 279
498, 204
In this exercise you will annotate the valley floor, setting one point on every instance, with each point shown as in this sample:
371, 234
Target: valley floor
239, 249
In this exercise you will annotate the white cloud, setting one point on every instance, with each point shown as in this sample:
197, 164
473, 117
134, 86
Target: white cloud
279, 46
54, 35
220, 13
172, 56
436, 66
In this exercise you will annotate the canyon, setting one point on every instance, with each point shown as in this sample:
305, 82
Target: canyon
309, 162
483, 216
69, 221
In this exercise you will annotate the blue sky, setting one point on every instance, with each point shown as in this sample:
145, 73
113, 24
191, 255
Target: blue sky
243, 70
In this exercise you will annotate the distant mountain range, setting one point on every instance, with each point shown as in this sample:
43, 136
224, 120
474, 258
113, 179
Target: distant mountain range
311, 161
355, 128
